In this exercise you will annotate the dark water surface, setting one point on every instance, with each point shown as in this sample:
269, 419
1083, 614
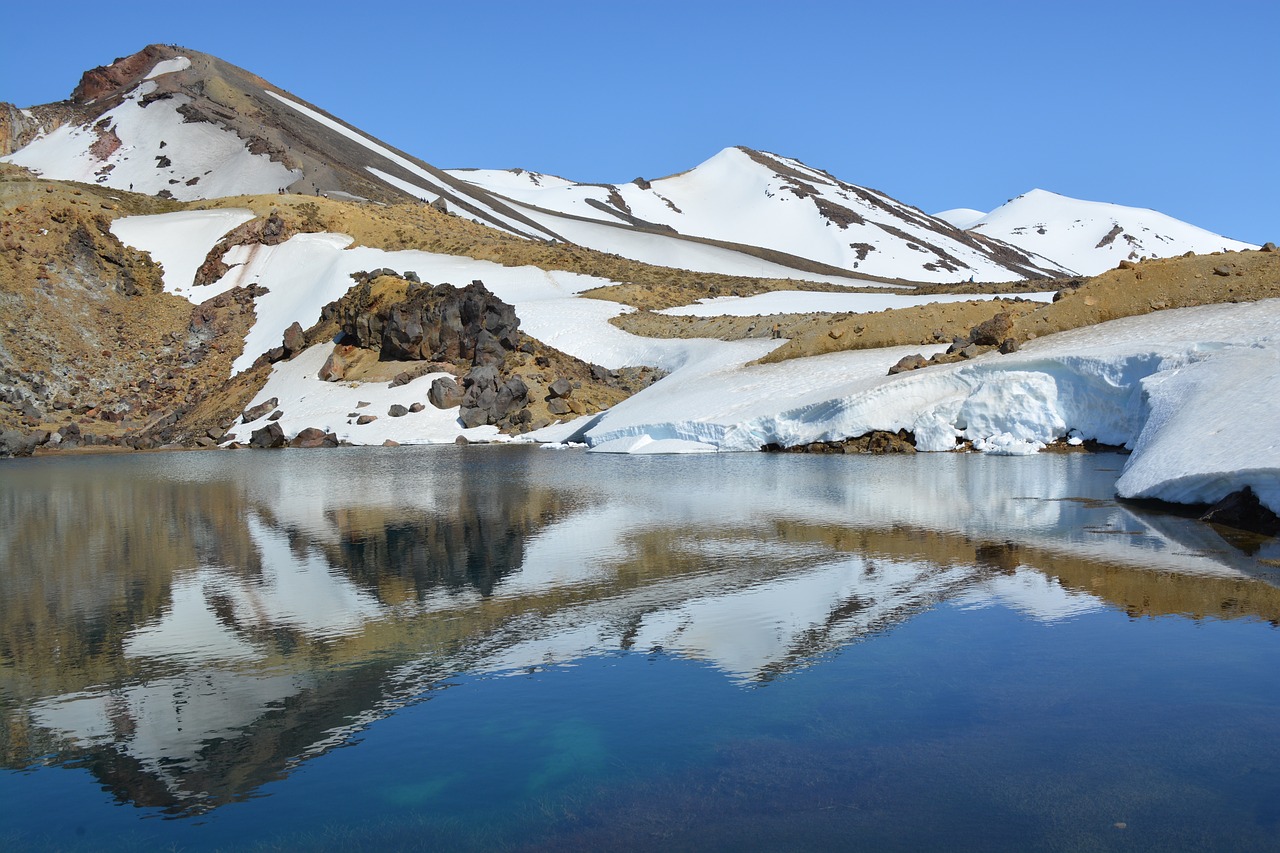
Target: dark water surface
513, 648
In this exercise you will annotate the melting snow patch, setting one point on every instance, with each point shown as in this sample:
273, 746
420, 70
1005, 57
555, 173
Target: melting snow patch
169, 66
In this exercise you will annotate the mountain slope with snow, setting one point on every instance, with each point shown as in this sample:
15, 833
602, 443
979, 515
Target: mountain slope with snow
178, 123
742, 196
1089, 237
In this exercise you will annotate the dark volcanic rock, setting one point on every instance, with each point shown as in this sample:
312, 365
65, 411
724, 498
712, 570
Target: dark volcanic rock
1243, 511
442, 323
560, 388
445, 393
270, 435
397, 410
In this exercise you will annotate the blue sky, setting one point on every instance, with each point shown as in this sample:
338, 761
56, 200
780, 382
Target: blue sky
1168, 105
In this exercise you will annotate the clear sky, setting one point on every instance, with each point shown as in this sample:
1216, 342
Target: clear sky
1170, 105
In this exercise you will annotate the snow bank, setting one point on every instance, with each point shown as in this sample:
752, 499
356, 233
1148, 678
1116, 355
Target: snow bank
180, 241
1191, 391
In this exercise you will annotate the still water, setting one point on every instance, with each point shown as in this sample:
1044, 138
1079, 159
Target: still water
513, 648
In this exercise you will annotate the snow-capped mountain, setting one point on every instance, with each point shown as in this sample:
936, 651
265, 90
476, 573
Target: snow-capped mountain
186, 125
1088, 237
776, 203
183, 124
179, 123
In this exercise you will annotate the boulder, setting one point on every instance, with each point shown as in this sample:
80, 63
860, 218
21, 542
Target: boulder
335, 366
1223, 269
417, 407
991, 332
1008, 345
271, 435
1243, 511
1268, 247
908, 362
560, 388
558, 407
366, 419
397, 410
294, 340
314, 437
276, 415
15, 443
445, 393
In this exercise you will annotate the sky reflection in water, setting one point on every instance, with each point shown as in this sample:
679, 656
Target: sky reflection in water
728, 652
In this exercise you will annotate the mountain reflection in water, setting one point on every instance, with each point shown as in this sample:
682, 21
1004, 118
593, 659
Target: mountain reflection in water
189, 627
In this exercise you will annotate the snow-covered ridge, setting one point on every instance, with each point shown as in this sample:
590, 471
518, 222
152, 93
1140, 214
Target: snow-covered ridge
1089, 237
776, 203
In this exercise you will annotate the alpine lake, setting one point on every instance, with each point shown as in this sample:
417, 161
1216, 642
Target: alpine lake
513, 648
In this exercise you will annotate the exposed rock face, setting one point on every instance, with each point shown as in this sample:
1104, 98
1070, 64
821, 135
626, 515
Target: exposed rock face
463, 328
114, 78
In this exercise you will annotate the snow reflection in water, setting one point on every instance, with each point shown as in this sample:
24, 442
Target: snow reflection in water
202, 623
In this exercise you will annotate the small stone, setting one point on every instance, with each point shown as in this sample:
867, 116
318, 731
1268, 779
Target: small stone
366, 419
417, 407
275, 416
397, 411
1224, 269
461, 440
390, 443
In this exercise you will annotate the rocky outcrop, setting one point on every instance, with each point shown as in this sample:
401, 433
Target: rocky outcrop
123, 73
408, 321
